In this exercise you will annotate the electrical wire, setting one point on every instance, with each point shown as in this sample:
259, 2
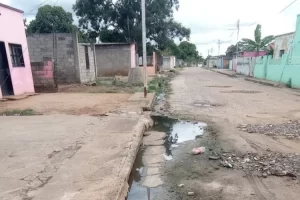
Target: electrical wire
288, 6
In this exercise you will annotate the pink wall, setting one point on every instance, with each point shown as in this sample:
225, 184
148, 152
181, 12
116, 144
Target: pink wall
151, 70
247, 54
13, 31
133, 54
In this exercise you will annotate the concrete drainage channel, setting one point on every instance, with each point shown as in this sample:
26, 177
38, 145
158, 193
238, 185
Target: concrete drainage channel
166, 134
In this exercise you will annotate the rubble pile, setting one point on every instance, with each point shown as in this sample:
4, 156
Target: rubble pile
276, 164
290, 129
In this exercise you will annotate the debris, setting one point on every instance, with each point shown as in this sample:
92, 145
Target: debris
214, 157
265, 175
290, 129
180, 185
191, 193
198, 150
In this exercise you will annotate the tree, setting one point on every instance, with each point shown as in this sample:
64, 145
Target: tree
231, 50
51, 18
189, 53
120, 21
258, 43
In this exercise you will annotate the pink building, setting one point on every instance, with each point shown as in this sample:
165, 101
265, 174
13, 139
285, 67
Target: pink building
247, 54
15, 69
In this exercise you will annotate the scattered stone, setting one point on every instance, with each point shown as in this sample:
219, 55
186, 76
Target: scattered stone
271, 163
214, 157
180, 185
290, 129
191, 193
265, 175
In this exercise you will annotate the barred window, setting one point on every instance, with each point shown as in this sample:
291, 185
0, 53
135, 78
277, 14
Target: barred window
16, 54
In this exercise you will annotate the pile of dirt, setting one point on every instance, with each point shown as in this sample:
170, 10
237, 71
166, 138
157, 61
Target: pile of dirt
290, 129
271, 163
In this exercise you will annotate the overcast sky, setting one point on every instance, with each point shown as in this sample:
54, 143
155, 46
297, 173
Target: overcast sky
211, 20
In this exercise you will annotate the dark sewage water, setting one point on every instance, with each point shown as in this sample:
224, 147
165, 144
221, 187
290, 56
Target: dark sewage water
177, 131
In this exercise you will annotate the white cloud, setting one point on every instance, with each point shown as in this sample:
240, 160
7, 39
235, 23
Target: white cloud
210, 20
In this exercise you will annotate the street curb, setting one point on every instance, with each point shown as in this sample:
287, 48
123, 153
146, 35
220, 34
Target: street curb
138, 131
260, 82
149, 105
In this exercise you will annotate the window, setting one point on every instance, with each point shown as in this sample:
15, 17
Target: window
87, 61
281, 52
16, 55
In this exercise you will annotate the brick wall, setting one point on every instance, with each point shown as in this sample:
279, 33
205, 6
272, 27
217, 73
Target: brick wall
87, 74
113, 59
60, 47
42, 73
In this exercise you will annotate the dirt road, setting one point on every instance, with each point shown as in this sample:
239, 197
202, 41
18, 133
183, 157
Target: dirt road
223, 103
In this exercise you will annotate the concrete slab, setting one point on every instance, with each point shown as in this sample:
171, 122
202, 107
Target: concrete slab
152, 181
154, 150
153, 159
146, 103
154, 143
67, 157
154, 135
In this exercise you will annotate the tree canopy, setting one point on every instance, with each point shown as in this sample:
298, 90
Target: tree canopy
51, 18
258, 43
120, 21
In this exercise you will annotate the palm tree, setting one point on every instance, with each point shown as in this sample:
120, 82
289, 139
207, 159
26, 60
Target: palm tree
258, 43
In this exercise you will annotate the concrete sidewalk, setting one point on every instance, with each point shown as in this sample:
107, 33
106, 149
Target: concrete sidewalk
64, 157
262, 81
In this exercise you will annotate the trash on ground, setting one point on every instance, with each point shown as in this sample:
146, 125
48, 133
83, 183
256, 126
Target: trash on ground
198, 150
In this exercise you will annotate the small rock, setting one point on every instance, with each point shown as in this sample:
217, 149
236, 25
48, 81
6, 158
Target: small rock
265, 175
191, 193
180, 185
247, 160
214, 157
147, 133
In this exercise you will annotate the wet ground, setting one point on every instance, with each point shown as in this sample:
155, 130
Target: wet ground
178, 132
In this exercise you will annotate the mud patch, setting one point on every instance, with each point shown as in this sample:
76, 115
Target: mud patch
241, 91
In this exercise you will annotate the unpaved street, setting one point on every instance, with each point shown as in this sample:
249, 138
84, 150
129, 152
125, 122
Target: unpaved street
223, 103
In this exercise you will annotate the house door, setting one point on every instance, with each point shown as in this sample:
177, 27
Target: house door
5, 79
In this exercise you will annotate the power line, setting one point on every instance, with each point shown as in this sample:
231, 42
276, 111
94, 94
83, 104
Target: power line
38, 6
288, 6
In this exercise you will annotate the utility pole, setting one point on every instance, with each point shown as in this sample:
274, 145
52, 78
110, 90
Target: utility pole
219, 45
144, 46
237, 44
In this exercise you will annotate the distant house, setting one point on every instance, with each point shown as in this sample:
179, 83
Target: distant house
15, 69
74, 62
169, 62
248, 54
115, 58
282, 44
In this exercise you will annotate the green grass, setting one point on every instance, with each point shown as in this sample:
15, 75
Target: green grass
158, 84
16, 112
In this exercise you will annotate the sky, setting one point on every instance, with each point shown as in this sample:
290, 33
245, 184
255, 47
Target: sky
212, 20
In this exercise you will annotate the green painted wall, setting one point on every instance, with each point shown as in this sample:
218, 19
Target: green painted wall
285, 69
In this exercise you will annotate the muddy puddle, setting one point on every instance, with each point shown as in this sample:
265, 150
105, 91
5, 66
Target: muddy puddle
177, 131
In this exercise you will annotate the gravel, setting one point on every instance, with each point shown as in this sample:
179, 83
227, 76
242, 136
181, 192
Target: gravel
290, 129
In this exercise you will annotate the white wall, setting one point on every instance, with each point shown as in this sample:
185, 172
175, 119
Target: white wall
246, 66
282, 43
